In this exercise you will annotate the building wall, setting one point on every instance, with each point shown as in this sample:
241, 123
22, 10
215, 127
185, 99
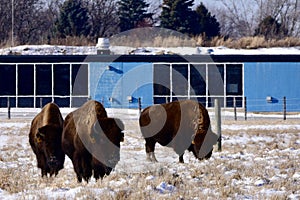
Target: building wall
274, 80
37, 80
120, 84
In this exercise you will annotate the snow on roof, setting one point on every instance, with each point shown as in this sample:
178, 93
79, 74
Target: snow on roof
123, 50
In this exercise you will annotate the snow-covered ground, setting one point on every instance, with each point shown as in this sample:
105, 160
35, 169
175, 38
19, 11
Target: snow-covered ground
260, 159
121, 50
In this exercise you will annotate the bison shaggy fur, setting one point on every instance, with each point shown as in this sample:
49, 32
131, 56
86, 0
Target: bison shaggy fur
92, 140
45, 139
181, 125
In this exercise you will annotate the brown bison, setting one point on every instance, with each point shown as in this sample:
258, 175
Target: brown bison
92, 140
182, 125
45, 139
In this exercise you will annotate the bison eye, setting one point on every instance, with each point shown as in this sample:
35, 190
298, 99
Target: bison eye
40, 135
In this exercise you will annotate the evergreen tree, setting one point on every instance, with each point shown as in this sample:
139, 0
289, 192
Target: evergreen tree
73, 19
270, 28
177, 15
132, 14
205, 24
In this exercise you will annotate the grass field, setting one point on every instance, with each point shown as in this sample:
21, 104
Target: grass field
260, 159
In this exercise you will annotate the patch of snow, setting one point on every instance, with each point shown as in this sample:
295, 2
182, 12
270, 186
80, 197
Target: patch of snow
296, 176
13, 124
164, 188
151, 177
294, 196
261, 127
261, 182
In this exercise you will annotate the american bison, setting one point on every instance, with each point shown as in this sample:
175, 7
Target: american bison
92, 140
45, 139
182, 125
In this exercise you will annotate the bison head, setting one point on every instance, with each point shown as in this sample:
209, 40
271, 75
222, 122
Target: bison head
49, 137
107, 134
202, 144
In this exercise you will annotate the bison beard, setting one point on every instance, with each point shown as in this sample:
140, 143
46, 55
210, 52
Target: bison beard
92, 141
45, 139
182, 125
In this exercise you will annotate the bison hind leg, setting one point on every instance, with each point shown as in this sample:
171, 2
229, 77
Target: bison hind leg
150, 147
151, 157
181, 159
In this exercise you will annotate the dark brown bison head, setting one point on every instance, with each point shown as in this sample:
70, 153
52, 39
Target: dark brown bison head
202, 144
107, 135
49, 138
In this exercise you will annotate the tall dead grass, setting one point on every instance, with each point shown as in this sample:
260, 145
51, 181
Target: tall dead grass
254, 42
176, 41
145, 40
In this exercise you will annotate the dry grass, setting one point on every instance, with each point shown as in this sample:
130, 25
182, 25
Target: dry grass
252, 42
145, 40
184, 41
73, 41
249, 157
148, 41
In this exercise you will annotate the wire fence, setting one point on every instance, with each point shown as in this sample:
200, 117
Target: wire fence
250, 109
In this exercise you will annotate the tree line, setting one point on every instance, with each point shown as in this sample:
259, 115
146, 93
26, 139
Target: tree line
48, 22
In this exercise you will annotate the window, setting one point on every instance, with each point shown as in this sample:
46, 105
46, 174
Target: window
79, 84
43, 80
34, 85
62, 79
25, 79
234, 85
161, 83
7, 79
179, 79
198, 79
25, 85
203, 82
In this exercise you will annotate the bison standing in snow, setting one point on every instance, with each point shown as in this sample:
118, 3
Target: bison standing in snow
45, 139
92, 140
182, 125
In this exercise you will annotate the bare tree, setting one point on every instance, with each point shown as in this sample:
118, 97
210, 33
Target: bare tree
241, 18
5, 21
285, 11
26, 17
237, 18
103, 17
32, 24
50, 15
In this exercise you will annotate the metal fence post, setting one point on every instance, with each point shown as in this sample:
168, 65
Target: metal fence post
284, 108
140, 105
218, 123
41, 102
234, 108
8, 107
245, 107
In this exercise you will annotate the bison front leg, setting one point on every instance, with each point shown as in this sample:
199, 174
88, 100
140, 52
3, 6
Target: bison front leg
150, 146
77, 159
181, 159
42, 164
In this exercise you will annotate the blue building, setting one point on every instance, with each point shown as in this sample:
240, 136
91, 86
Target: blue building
120, 81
